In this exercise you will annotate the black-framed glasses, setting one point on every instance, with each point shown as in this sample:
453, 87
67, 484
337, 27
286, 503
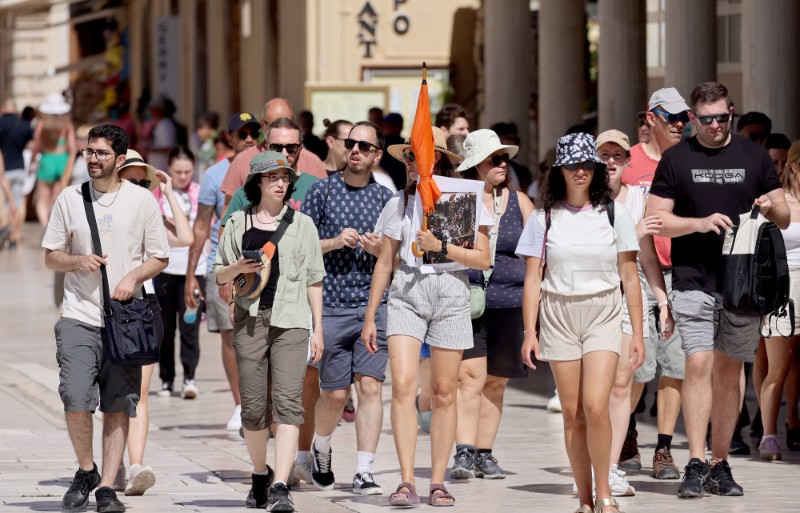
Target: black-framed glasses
141, 183
408, 156
291, 149
252, 133
587, 165
102, 155
497, 159
683, 117
363, 146
707, 120
273, 178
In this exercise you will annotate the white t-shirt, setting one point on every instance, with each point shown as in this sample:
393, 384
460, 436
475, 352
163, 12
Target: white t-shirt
131, 231
395, 221
582, 247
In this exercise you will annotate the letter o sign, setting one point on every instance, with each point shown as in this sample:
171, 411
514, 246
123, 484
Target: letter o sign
401, 23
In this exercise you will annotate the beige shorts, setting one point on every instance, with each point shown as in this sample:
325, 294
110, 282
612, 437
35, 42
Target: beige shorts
572, 326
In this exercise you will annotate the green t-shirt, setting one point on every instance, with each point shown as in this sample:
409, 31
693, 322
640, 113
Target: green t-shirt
240, 202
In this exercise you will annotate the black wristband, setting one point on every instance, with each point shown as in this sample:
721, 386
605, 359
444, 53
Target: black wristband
443, 252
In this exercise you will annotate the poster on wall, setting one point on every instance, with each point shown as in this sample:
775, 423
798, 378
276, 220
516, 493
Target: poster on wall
455, 218
344, 102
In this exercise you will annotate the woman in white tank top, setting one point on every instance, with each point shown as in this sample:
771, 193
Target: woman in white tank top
774, 356
613, 148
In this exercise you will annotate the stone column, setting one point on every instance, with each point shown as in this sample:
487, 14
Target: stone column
562, 39
507, 28
691, 44
218, 59
622, 76
770, 71
256, 57
186, 103
292, 52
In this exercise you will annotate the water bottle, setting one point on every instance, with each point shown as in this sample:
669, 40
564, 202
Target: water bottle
190, 315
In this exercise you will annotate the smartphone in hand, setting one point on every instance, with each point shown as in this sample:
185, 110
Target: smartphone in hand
252, 254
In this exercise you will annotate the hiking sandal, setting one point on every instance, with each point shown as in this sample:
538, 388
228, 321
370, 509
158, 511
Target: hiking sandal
405, 496
599, 504
443, 495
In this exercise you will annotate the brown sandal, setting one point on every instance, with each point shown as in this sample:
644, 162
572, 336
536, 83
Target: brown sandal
405, 496
443, 495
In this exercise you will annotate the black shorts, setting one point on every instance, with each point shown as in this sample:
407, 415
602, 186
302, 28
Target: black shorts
498, 336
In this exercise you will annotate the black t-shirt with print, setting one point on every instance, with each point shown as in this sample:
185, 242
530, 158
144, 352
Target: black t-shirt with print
703, 181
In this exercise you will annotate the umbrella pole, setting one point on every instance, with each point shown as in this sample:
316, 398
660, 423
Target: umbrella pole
414, 247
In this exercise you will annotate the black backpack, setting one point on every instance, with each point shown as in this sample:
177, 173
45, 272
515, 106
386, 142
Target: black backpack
756, 270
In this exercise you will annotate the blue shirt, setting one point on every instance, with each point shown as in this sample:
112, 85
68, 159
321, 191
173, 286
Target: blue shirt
333, 206
211, 195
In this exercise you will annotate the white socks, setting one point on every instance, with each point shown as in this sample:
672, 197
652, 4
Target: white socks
365, 461
302, 457
322, 443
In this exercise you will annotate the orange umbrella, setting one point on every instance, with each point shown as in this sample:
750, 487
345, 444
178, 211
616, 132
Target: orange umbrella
423, 148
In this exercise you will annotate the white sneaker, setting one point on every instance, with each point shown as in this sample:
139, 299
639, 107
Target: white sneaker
235, 422
142, 478
554, 404
619, 483
302, 471
119, 480
189, 389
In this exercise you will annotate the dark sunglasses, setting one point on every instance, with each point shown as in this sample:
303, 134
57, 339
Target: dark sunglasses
409, 157
363, 146
252, 133
707, 120
141, 183
683, 117
291, 149
497, 159
588, 165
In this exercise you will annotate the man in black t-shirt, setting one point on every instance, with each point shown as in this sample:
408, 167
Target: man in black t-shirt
700, 185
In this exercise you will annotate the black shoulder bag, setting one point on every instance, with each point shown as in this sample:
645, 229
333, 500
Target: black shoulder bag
129, 331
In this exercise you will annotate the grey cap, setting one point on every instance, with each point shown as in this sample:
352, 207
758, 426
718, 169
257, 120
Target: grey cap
668, 99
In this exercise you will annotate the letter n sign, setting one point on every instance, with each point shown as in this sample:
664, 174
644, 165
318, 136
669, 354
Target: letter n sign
367, 27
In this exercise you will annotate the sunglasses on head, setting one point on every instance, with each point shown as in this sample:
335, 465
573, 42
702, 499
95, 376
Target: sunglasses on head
252, 133
291, 149
707, 120
497, 159
363, 146
141, 183
683, 117
588, 165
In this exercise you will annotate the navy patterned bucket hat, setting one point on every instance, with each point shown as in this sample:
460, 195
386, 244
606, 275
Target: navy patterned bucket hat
576, 148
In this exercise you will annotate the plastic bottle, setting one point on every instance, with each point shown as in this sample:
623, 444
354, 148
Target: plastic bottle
190, 315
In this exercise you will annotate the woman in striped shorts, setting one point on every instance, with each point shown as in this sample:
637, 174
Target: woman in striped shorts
427, 304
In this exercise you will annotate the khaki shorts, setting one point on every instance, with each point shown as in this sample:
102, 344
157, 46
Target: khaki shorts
572, 326
217, 312
272, 366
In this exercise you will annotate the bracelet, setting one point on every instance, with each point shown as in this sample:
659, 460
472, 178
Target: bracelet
525, 332
443, 252
662, 304
231, 302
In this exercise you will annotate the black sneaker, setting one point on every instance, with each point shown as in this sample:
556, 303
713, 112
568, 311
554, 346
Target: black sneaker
77, 497
486, 467
321, 473
738, 446
364, 484
720, 481
629, 458
694, 478
257, 498
463, 464
279, 498
107, 501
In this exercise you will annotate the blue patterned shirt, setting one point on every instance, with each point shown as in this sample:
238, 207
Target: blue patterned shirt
333, 206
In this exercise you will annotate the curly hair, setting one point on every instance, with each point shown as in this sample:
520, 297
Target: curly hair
554, 188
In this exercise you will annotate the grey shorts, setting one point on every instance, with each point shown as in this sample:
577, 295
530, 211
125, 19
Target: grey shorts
345, 355
217, 311
16, 177
705, 326
432, 308
664, 357
272, 366
87, 378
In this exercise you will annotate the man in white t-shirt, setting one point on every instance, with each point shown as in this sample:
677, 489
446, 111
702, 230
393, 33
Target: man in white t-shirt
134, 247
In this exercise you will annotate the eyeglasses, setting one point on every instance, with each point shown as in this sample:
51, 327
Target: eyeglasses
291, 149
618, 157
707, 120
277, 178
363, 146
497, 159
252, 133
588, 165
683, 117
141, 183
102, 155
409, 157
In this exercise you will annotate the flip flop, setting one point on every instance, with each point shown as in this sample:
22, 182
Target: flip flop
444, 495
405, 496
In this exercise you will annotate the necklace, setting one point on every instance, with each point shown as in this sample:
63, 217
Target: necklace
94, 195
265, 222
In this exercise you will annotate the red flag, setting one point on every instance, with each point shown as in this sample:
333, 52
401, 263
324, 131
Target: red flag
422, 146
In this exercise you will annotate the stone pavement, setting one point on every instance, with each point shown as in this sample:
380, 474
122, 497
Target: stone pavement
200, 467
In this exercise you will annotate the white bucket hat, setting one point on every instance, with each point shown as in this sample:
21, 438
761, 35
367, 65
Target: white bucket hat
479, 144
55, 105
